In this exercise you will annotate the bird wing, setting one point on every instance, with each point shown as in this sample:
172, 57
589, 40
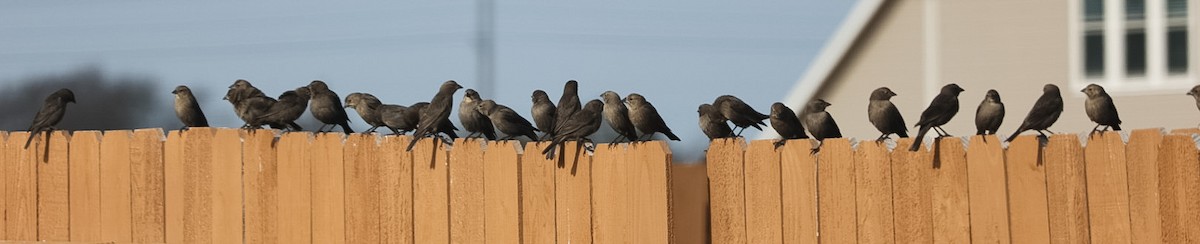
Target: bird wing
655, 119
830, 127
50, 114
892, 112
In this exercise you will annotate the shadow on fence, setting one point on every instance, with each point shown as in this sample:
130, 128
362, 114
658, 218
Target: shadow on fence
229, 186
1146, 191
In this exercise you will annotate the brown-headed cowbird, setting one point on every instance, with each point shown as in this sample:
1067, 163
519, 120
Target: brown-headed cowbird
288, 109
187, 109
568, 104
990, 114
738, 112
327, 107
713, 123
393, 117
585, 122
472, 120
436, 115
507, 120
1044, 112
786, 123
1100, 108
819, 122
646, 118
367, 107
617, 116
543, 112
240, 91
52, 112
1195, 93
943, 108
884, 115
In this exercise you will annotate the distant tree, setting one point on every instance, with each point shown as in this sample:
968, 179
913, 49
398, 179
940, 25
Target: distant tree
104, 101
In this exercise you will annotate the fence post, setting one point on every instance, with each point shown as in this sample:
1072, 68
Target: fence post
727, 190
85, 185
988, 190
1141, 156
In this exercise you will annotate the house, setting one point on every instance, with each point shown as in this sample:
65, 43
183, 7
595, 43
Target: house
1144, 52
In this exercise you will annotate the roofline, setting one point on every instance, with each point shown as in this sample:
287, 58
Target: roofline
831, 55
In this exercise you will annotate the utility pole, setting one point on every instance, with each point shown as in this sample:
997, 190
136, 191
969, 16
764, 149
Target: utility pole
485, 44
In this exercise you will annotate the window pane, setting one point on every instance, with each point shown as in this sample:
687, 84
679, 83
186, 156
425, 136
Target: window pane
1177, 51
1135, 53
1093, 10
1094, 54
1177, 8
1135, 9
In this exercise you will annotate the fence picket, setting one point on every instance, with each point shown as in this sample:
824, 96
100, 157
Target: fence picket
763, 207
1066, 190
798, 177
835, 192
1107, 188
988, 190
1142, 158
85, 185
911, 190
726, 190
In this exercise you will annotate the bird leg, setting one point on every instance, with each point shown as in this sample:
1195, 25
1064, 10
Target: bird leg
184, 128
1094, 130
881, 138
739, 133
613, 143
941, 132
322, 128
590, 146
780, 143
372, 129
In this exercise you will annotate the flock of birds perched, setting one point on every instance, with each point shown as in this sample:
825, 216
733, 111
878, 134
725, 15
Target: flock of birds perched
570, 120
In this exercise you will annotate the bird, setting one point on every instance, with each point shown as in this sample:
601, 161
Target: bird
507, 121
943, 108
617, 116
990, 114
884, 115
568, 104
1195, 93
187, 109
327, 107
712, 123
436, 114
646, 118
1044, 112
472, 120
786, 123
738, 112
543, 112
585, 123
288, 108
819, 122
242, 90
367, 107
1100, 108
393, 117
413, 116
52, 112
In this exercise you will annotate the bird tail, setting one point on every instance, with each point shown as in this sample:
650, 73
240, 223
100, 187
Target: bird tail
346, 127
532, 136
32, 134
671, 136
1014, 135
1116, 127
902, 134
917, 141
413, 142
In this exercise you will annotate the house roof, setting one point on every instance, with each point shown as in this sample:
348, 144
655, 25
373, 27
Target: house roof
836, 49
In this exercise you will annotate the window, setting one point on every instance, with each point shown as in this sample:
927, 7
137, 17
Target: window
1132, 45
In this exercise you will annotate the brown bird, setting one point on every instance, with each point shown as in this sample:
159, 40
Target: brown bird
738, 112
436, 114
1100, 108
568, 104
884, 115
990, 114
943, 108
1044, 112
52, 112
1195, 93
413, 115
242, 90
367, 107
585, 122
712, 123
646, 118
617, 116
786, 123
820, 123
187, 109
472, 120
507, 121
393, 116
287, 109
327, 107
543, 112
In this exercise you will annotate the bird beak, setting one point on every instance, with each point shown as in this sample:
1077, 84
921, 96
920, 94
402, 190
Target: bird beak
1191, 93
174, 92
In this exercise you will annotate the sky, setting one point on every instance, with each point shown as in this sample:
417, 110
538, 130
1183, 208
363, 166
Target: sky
679, 54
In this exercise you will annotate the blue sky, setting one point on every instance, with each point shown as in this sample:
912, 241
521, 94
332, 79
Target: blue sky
677, 53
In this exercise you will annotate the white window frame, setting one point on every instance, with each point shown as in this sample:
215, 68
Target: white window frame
1156, 80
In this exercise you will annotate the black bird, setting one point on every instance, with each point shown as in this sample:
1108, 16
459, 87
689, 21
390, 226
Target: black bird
819, 122
738, 112
585, 122
786, 123
393, 118
436, 115
713, 123
367, 107
990, 114
543, 112
327, 107
507, 120
884, 115
646, 118
617, 116
413, 114
1100, 108
288, 109
187, 109
472, 120
1044, 112
568, 104
51, 113
943, 108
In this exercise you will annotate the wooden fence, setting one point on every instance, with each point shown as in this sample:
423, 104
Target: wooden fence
233, 186
1146, 191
